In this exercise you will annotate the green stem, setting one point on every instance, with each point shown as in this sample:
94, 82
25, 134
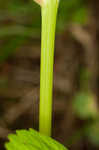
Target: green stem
49, 13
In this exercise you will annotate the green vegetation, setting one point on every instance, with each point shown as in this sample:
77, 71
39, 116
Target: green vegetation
85, 108
49, 13
32, 140
28, 27
26, 23
85, 105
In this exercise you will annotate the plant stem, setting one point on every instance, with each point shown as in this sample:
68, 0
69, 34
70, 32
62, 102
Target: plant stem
49, 14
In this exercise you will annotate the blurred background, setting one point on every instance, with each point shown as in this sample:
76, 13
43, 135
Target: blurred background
76, 71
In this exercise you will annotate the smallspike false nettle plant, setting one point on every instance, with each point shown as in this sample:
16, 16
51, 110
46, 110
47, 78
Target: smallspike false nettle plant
31, 139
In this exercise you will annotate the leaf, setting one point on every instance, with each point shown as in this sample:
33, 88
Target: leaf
32, 140
71, 11
85, 105
93, 133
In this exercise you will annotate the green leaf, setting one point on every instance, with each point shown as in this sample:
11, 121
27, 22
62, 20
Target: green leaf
32, 140
80, 16
85, 105
71, 11
93, 133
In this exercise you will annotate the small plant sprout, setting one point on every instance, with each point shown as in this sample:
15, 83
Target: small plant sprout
31, 139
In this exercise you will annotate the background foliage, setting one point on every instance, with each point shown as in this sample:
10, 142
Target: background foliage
75, 93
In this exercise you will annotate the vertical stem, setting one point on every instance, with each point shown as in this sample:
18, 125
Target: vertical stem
49, 13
